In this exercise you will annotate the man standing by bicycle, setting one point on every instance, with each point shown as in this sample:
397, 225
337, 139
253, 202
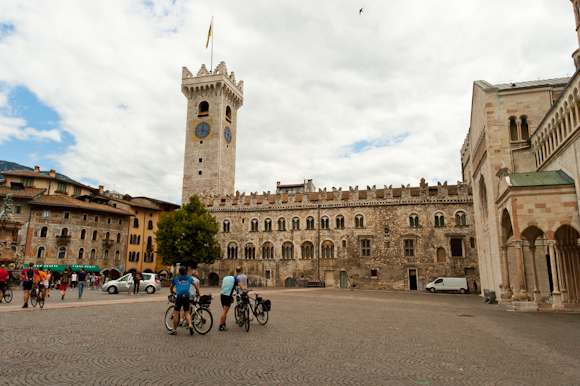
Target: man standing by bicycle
28, 280
228, 284
181, 285
3, 276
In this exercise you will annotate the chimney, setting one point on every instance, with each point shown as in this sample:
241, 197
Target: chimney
107, 193
52, 173
278, 183
37, 169
101, 188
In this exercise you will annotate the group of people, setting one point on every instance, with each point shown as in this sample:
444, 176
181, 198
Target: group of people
134, 282
42, 278
184, 284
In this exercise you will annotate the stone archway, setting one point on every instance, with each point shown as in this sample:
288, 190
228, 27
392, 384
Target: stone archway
536, 263
213, 279
290, 282
567, 262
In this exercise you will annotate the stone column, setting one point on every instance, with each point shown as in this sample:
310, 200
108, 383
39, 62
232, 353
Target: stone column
537, 296
566, 267
507, 290
561, 272
563, 124
569, 119
521, 272
576, 100
556, 294
519, 125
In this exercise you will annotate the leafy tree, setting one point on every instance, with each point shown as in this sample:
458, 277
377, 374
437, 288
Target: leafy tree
187, 235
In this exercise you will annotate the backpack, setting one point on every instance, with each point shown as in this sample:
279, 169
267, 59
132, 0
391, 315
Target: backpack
29, 274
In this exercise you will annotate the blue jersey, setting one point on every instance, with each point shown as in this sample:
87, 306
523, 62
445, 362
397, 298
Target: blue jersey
228, 284
182, 284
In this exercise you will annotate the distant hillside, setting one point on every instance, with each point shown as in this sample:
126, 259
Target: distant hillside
6, 166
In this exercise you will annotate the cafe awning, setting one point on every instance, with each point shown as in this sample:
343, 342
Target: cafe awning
53, 267
88, 268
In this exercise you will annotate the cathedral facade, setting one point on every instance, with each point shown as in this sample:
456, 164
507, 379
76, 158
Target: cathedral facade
388, 238
521, 156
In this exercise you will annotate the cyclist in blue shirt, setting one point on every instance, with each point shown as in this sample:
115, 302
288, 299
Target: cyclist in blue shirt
181, 285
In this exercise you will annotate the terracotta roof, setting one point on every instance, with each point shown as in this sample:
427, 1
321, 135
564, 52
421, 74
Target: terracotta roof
291, 186
130, 203
69, 202
158, 201
28, 173
26, 193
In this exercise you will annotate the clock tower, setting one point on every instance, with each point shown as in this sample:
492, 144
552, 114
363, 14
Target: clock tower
213, 100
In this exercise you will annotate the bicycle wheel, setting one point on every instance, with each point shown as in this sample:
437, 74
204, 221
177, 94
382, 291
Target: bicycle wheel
261, 314
202, 320
33, 299
247, 318
41, 301
237, 314
169, 318
8, 295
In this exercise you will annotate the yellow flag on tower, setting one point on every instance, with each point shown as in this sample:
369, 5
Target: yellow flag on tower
208, 34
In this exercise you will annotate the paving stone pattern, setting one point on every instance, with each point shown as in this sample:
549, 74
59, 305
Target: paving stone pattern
314, 337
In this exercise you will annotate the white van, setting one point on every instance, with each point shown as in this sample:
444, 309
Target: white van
448, 284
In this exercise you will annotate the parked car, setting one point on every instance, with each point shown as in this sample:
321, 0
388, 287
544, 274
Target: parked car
448, 284
150, 283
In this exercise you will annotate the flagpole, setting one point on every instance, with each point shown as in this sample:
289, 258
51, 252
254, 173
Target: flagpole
212, 32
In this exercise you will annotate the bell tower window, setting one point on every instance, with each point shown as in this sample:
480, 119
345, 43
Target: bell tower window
229, 114
203, 109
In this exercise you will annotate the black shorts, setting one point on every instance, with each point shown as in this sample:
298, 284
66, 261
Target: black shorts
226, 300
182, 303
2, 285
27, 285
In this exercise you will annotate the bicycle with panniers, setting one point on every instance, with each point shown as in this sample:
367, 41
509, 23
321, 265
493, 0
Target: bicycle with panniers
201, 317
36, 295
242, 311
260, 308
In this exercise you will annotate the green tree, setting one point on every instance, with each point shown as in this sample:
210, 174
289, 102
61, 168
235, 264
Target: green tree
187, 235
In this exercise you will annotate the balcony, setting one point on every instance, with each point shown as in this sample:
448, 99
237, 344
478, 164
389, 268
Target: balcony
149, 248
63, 240
108, 243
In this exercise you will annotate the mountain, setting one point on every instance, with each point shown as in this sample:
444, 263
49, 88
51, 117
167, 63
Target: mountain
7, 166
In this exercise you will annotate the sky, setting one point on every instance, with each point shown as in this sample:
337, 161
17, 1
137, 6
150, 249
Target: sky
93, 89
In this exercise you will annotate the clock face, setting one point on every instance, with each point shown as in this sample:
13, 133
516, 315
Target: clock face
202, 130
228, 134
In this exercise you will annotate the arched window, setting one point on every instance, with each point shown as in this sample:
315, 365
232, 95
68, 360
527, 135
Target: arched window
267, 225
135, 223
267, 250
250, 251
95, 234
226, 226
460, 219
281, 224
229, 113
359, 221
339, 221
40, 253
324, 222
81, 253
327, 249
83, 234
295, 223
254, 225
150, 224
232, 251
287, 250
64, 232
441, 255
439, 220
149, 242
92, 255
106, 255
310, 223
513, 129
137, 258
117, 255
43, 231
413, 220
525, 129
138, 239
307, 250
118, 237
61, 252
107, 236
483, 197
344, 243
203, 109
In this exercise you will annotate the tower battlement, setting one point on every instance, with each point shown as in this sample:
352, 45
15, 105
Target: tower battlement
206, 83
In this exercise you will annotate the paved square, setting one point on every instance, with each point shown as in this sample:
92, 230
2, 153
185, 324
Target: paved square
313, 337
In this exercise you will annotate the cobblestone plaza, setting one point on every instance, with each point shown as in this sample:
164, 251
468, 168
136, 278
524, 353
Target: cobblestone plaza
313, 337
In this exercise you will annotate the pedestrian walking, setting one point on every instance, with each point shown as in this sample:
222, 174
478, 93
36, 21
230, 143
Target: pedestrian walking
351, 283
130, 281
137, 283
474, 287
27, 278
82, 281
93, 279
49, 281
3, 276
63, 284
73, 280
97, 282
229, 283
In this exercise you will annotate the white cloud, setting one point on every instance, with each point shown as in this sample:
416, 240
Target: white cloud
318, 79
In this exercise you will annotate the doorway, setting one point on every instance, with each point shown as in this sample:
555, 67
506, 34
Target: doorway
290, 282
413, 279
343, 280
329, 279
213, 279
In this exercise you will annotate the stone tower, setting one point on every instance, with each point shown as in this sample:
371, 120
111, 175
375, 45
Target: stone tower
213, 100
576, 54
